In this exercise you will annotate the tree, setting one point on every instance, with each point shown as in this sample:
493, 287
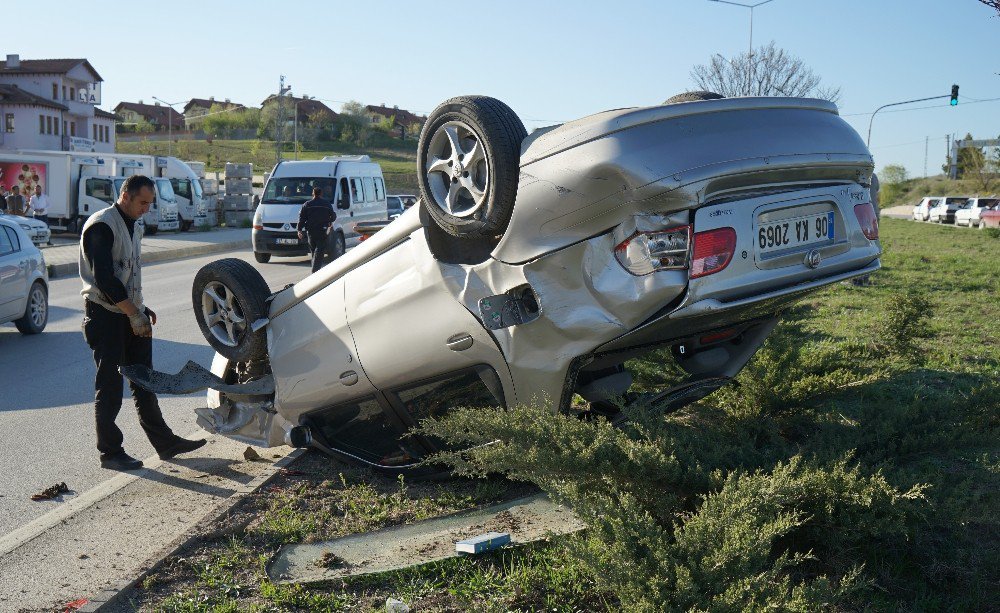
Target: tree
969, 160
993, 4
768, 71
355, 126
892, 174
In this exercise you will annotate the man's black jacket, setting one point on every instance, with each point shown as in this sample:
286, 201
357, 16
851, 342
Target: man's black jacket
316, 216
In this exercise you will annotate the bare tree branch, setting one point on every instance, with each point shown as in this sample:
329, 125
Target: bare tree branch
993, 4
770, 71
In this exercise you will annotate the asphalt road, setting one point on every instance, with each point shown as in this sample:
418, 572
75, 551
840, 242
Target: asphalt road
47, 386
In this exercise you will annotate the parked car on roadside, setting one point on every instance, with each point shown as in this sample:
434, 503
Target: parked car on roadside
394, 206
38, 231
921, 212
970, 213
24, 279
944, 210
408, 200
534, 267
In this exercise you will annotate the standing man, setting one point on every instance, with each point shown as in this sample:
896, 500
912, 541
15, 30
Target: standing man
316, 219
118, 326
39, 205
15, 201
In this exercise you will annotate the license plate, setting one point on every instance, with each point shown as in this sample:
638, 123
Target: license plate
287, 241
793, 232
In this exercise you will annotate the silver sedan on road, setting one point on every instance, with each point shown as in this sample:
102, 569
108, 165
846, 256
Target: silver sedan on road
24, 280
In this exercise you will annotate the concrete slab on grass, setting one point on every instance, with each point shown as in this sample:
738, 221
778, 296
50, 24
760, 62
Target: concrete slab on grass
526, 519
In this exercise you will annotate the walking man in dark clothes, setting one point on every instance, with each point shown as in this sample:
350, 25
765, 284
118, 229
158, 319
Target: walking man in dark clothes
316, 220
118, 326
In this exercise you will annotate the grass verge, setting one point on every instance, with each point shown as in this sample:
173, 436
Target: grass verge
857, 466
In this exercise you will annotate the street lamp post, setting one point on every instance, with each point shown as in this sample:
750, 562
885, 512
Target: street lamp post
750, 56
170, 124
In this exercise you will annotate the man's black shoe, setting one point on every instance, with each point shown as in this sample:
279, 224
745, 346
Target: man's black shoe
182, 445
120, 461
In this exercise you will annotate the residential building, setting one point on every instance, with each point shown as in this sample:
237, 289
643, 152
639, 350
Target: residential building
402, 117
52, 104
305, 106
159, 115
198, 107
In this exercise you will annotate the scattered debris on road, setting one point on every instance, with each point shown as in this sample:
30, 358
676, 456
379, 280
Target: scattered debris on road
51, 492
251, 455
483, 542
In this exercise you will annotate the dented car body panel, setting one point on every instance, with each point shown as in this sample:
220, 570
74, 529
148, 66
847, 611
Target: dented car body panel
562, 301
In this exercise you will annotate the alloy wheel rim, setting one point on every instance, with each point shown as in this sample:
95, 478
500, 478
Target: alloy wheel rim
223, 314
457, 169
39, 309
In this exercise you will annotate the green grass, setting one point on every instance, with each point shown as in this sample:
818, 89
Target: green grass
856, 467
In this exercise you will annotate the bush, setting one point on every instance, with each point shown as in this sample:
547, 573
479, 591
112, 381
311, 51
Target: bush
903, 322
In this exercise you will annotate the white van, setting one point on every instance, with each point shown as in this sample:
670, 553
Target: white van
353, 183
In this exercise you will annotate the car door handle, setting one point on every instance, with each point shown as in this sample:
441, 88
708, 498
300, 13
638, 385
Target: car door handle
459, 342
349, 378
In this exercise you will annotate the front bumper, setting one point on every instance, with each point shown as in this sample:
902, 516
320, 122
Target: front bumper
265, 241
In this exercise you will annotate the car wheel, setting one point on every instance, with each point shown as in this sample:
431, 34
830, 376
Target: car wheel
151, 230
229, 296
36, 311
262, 258
338, 246
468, 159
693, 97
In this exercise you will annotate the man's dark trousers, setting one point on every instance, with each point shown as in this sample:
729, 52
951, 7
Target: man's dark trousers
317, 248
110, 336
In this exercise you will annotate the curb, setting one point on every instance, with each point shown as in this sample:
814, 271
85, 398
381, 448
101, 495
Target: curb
115, 595
73, 268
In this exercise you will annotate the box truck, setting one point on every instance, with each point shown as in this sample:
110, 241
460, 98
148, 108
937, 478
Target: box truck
80, 184
187, 193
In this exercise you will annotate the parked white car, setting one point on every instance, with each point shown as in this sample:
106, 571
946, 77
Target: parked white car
24, 280
922, 211
944, 211
970, 214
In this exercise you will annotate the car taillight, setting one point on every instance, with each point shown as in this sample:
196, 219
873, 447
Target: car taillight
647, 252
713, 250
869, 221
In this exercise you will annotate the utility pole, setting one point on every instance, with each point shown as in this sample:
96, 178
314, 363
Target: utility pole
927, 142
280, 118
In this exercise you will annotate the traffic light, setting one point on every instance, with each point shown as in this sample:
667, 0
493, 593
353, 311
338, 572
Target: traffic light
954, 95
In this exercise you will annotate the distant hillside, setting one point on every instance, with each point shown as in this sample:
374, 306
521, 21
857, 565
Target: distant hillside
398, 158
912, 190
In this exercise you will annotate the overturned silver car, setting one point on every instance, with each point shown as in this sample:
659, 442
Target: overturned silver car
535, 266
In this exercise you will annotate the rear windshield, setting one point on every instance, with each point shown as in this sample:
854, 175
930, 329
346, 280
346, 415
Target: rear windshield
296, 190
988, 202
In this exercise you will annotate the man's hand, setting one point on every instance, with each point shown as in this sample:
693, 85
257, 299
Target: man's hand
141, 325
151, 315
300, 235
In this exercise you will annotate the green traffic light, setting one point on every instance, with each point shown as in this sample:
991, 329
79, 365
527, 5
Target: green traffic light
954, 95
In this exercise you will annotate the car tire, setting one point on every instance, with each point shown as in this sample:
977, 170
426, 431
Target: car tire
468, 161
36, 311
693, 97
338, 246
262, 258
151, 230
229, 296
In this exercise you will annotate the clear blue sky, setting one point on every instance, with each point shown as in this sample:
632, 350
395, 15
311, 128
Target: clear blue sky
550, 61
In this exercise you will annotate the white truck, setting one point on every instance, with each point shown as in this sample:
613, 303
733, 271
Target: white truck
73, 199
